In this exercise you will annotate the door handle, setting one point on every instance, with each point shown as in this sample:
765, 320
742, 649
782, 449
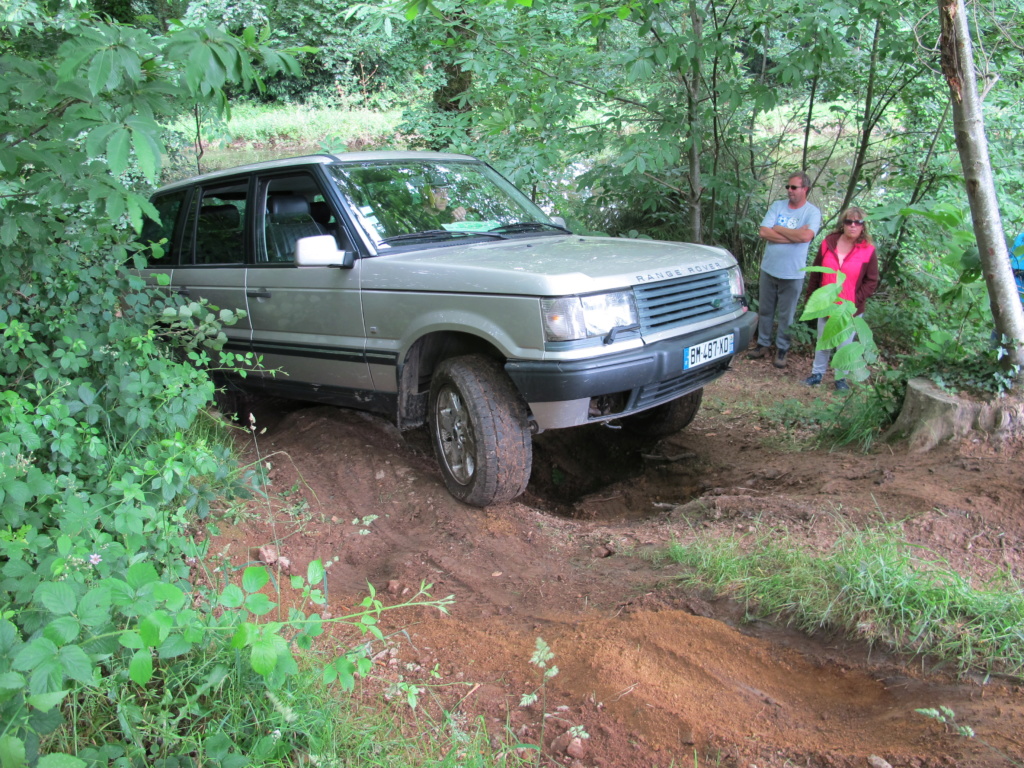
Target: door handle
263, 294
182, 292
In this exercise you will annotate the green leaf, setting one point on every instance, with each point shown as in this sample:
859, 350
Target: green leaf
175, 645
849, 358
255, 578
60, 760
264, 655
244, 635
118, 149
11, 681
94, 607
641, 69
97, 139
315, 572
101, 71
147, 150
47, 701
169, 594
141, 574
140, 669
837, 330
341, 671
130, 639
155, 628
33, 654
12, 752
76, 663
232, 596
63, 630
259, 604
57, 597
218, 746
822, 302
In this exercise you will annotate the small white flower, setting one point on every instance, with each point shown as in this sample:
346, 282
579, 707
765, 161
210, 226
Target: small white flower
95, 559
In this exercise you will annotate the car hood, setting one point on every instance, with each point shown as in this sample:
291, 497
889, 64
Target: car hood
546, 266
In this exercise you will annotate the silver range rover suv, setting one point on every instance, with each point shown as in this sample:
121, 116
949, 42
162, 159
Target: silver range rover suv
427, 288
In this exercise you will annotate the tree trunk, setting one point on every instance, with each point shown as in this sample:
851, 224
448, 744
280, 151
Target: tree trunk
867, 123
810, 121
693, 117
972, 145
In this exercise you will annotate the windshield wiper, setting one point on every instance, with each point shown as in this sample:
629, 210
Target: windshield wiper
530, 226
440, 234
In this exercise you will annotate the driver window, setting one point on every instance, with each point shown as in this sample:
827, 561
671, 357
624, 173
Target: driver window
294, 207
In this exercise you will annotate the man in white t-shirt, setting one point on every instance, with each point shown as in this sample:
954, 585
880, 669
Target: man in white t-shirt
789, 226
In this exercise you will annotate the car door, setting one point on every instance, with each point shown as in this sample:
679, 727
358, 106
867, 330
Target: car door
212, 259
307, 322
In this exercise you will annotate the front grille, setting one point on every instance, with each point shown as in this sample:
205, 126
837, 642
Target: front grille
684, 300
669, 389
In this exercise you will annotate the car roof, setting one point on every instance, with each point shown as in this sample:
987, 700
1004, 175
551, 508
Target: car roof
319, 159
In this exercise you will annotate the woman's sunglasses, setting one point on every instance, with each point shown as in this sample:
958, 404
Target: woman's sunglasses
858, 222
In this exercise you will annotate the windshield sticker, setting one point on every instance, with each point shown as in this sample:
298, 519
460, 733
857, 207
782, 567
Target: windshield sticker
470, 226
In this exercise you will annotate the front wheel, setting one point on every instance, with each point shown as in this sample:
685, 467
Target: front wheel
479, 428
666, 419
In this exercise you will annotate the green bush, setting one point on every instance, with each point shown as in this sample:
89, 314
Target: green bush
102, 475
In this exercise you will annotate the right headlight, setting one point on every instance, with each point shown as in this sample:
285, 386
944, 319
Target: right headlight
570, 318
736, 282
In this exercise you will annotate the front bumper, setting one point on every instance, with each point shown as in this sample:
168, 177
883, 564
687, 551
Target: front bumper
559, 393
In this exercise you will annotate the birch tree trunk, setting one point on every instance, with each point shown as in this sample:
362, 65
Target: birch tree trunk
969, 129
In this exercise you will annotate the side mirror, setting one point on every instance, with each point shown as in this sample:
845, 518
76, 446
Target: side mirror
322, 251
559, 221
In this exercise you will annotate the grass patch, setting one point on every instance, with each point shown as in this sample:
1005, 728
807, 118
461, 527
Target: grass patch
854, 418
310, 725
295, 124
872, 586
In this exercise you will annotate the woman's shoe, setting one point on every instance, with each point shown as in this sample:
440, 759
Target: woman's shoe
841, 385
813, 380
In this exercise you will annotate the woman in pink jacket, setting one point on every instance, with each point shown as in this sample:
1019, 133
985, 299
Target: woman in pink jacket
850, 250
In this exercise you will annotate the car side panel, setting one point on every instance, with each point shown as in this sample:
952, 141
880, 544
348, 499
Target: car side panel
307, 324
396, 319
224, 288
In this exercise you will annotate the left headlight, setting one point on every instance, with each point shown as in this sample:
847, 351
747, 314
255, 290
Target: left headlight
581, 317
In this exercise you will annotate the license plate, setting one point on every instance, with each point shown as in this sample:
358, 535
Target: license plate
706, 352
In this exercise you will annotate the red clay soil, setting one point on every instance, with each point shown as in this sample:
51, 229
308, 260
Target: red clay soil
656, 675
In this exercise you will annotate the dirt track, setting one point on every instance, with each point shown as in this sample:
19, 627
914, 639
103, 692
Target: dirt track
654, 675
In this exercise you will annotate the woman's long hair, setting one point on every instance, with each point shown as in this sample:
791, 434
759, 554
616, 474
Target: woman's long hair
854, 212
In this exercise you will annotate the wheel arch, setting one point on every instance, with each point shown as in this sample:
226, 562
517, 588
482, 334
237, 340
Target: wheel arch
416, 369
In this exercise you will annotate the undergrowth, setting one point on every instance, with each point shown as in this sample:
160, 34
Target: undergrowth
857, 418
872, 586
294, 124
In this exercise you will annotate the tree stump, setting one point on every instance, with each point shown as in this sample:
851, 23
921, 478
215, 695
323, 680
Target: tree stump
930, 417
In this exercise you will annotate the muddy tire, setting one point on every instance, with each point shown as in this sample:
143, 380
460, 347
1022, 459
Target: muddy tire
666, 419
479, 428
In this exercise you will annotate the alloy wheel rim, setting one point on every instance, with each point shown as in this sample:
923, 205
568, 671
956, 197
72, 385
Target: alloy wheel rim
455, 435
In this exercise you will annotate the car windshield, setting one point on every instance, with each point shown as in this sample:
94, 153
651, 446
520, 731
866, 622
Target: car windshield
419, 201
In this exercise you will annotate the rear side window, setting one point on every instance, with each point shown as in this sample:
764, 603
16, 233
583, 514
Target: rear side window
161, 233
217, 225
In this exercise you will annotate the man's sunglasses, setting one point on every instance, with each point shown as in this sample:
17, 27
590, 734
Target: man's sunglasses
857, 222
790, 186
